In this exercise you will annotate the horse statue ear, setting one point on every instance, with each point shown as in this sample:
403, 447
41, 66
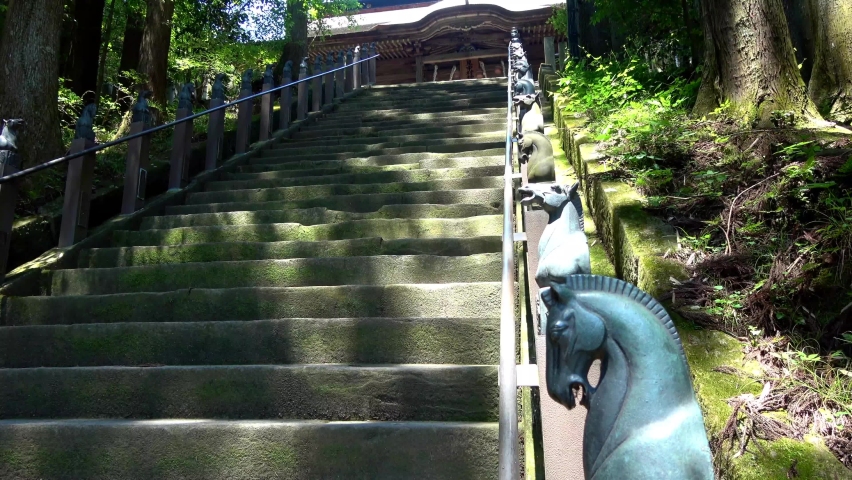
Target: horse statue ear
573, 188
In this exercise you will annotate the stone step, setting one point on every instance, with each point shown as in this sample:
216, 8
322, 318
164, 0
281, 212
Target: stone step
390, 130
324, 191
389, 140
296, 272
426, 104
484, 158
247, 450
462, 148
425, 159
352, 203
244, 172
243, 251
484, 225
435, 144
445, 123
264, 180
413, 120
309, 392
316, 216
467, 300
462, 341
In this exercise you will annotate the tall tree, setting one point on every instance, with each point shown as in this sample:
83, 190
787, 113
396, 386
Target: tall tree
104, 51
132, 42
29, 79
749, 62
154, 53
296, 34
86, 42
831, 81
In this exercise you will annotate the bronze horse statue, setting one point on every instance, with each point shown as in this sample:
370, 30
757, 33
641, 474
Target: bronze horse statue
643, 420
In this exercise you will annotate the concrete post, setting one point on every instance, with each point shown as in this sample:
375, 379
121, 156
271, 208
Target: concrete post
328, 78
316, 86
78, 195
178, 160
373, 53
244, 121
136, 170
302, 95
10, 163
266, 111
356, 68
286, 100
215, 133
340, 76
350, 79
550, 52
365, 67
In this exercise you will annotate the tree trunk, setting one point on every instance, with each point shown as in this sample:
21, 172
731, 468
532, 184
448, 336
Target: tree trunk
749, 64
154, 53
831, 81
86, 45
104, 51
296, 34
691, 27
29, 83
802, 34
130, 48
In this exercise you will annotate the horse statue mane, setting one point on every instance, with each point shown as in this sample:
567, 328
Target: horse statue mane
537, 151
186, 94
248, 75
219, 87
643, 417
9, 134
84, 126
141, 113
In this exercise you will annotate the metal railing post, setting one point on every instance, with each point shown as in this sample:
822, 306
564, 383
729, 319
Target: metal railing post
350, 77
78, 195
136, 170
10, 162
266, 106
286, 100
302, 98
340, 76
316, 88
328, 78
244, 114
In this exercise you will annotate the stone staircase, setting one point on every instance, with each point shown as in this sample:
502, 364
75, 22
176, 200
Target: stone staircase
330, 310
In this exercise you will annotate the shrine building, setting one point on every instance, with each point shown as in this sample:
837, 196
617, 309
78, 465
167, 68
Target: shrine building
424, 41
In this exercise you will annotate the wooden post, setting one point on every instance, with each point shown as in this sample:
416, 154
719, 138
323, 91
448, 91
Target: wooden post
418, 74
266, 112
328, 78
136, 170
10, 163
356, 69
350, 79
244, 121
365, 66
78, 195
340, 76
215, 133
550, 52
286, 100
373, 53
302, 99
316, 86
179, 151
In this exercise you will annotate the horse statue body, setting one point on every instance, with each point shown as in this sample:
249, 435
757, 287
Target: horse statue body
84, 126
643, 420
186, 94
218, 88
537, 151
532, 120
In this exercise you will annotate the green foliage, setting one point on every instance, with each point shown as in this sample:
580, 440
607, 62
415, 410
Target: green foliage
559, 19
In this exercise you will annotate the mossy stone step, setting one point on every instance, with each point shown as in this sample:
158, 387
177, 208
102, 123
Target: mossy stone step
317, 392
316, 216
484, 225
241, 251
420, 95
461, 148
296, 272
422, 175
384, 138
352, 203
247, 450
324, 191
391, 131
462, 341
337, 167
411, 120
438, 141
468, 300
425, 159
368, 127
402, 106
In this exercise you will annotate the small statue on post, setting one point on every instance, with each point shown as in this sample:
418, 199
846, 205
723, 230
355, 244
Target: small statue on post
218, 87
141, 112
84, 127
248, 75
267, 76
287, 71
185, 98
9, 137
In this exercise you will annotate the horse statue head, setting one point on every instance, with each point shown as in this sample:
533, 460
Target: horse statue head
141, 113
643, 406
84, 126
186, 94
248, 75
524, 87
317, 65
288, 71
330, 61
219, 87
537, 153
267, 76
9, 134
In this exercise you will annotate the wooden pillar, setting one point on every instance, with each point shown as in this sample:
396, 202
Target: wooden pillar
286, 100
328, 78
244, 121
136, 170
550, 52
316, 86
10, 163
78, 194
266, 111
302, 95
340, 76
180, 151
215, 135
350, 80
418, 73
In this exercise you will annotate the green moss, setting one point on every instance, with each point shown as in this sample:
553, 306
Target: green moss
813, 461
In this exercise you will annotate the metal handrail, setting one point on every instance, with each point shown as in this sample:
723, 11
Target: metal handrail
102, 146
508, 427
